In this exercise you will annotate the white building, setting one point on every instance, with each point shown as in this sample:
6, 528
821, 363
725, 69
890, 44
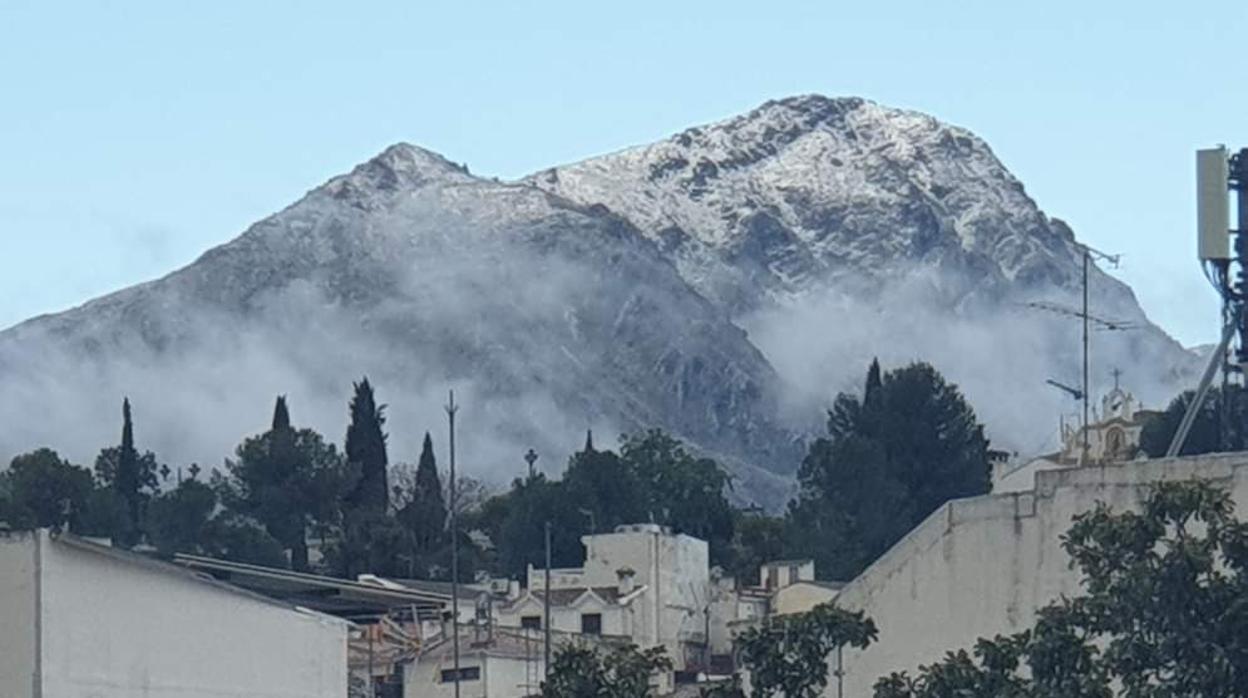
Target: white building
79, 619
640, 584
983, 566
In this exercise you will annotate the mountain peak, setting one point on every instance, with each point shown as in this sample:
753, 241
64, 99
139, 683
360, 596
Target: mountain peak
402, 166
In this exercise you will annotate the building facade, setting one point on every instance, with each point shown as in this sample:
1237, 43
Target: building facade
983, 566
82, 619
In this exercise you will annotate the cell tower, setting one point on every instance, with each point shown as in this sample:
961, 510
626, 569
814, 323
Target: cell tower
1218, 173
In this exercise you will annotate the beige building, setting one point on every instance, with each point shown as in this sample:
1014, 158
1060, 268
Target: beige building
1112, 437
83, 620
982, 566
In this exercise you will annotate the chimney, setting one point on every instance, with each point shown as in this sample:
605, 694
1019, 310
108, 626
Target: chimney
626, 577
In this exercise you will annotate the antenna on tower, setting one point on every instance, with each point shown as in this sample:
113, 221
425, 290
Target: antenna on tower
1217, 175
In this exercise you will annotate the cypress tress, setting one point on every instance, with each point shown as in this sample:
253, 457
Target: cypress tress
366, 449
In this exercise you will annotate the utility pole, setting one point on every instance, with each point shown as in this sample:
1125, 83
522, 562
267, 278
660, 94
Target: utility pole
1083, 454
1086, 319
546, 609
451, 409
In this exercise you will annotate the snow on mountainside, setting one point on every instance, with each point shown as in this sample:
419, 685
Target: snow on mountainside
805, 190
839, 229
723, 284
547, 316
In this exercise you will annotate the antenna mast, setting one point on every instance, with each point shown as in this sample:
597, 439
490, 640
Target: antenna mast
1217, 175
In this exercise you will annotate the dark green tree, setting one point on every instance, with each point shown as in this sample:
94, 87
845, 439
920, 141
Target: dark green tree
787, 655
582, 671
757, 538
686, 492
232, 536
132, 477
1205, 435
424, 514
1162, 614
180, 520
289, 480
890, 459
44, 490
372, 542
515, 523
607, 491
365, 449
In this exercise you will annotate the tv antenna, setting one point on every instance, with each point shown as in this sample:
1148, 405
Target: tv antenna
1074, 392
1088, 254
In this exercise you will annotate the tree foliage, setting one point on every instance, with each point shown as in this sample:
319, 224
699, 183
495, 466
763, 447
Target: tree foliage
652, 479
1163, 615
910, 444
365, 449
289, 480
787, 655
132, 477
1205, 435
583, 671
44, 490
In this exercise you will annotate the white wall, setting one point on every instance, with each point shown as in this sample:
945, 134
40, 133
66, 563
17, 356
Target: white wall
616, 620
115, 628
982, 566
676, 571
501, 677
17, 615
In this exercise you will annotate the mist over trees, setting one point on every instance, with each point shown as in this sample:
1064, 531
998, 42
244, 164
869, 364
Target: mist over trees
287, 496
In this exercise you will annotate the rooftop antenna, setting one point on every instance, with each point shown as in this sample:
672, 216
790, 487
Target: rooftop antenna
1219, 173
1088, 253
1074, 392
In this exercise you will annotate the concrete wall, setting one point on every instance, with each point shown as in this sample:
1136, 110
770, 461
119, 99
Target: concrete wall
982, 566
18, 608
114, 627
501, 677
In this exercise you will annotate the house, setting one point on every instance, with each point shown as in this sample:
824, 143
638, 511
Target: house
649, 584
78, 618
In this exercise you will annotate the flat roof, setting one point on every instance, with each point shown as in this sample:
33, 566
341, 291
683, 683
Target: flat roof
331, 595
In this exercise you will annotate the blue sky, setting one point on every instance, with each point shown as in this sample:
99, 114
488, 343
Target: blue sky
135, 135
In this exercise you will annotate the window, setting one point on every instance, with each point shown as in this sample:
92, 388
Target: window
466, 673
531, 622
591, 623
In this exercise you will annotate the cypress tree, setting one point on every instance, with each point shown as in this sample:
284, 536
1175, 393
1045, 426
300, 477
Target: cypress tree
127, 479
589, 441
366, 449
281, 414
425, 515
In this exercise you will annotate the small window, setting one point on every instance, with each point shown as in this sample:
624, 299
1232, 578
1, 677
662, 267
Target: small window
466, 673
591, 623
531, 622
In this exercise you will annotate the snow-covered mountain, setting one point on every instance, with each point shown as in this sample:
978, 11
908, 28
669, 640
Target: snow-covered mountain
839, 229
723, 284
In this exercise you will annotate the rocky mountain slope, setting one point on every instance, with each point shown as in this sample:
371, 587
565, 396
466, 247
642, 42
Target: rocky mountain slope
838, 229
723, 284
